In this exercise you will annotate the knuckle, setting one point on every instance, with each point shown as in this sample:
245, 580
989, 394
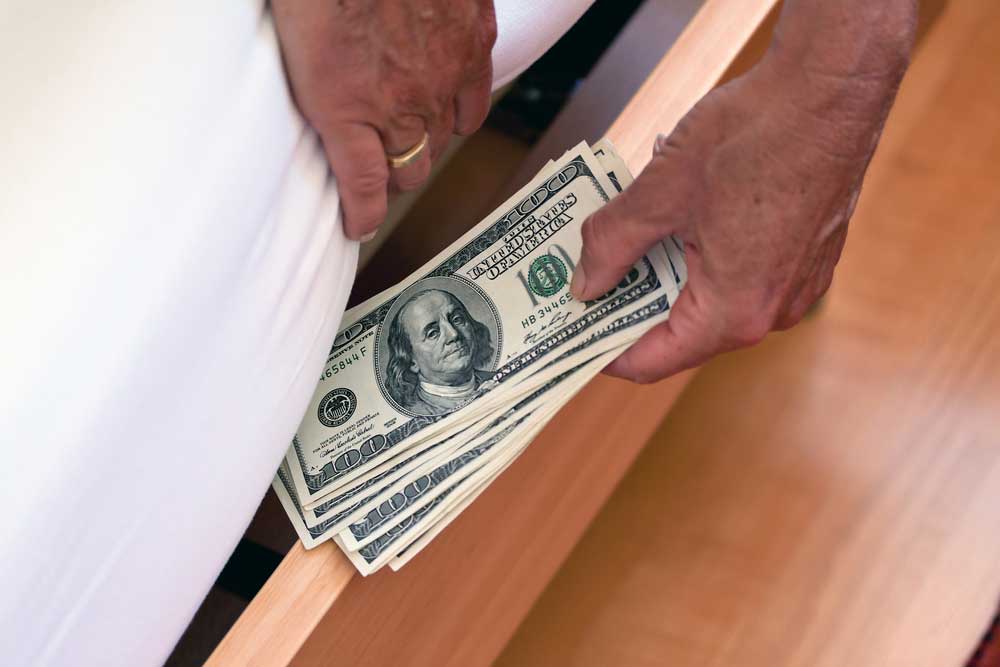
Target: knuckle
367, 179
404, 125
405, 100
490, 34
489, 27
411, 98
596, 234
479, 73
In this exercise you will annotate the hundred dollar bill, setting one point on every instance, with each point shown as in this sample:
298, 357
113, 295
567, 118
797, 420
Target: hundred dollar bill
323, 530
342, 504
336, 514
611, 334
399, 524
455, 435
345, 505
337, 510
403, 497
490, 310
345, 502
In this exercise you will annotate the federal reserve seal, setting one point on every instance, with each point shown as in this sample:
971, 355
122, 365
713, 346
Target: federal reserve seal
547, 275
337, 407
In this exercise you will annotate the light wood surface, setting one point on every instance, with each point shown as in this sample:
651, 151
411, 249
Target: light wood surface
831, 498
459, 601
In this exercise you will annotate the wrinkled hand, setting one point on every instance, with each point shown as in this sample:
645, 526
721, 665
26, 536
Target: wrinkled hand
373, 75
759, 186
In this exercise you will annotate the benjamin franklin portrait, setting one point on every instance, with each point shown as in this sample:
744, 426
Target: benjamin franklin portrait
439, 354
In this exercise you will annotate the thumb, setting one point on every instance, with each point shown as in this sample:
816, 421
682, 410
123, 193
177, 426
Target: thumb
617, 235
689, 338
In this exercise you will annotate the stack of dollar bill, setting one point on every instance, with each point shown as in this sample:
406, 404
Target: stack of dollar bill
435, 386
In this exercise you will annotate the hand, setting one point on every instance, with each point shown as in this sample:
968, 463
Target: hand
759, 182
373, 75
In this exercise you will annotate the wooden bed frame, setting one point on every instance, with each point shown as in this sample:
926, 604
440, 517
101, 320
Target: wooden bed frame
460, 600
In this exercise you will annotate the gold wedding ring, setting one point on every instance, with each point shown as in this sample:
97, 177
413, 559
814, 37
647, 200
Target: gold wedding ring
410, 156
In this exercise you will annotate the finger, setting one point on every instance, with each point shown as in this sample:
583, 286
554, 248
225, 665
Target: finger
689, 338
621, 232
472, 104
357, 158
400, 135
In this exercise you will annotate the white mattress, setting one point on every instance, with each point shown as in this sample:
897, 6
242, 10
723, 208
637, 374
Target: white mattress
173, 272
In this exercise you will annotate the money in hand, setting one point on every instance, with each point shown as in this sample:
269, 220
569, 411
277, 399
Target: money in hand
433, 387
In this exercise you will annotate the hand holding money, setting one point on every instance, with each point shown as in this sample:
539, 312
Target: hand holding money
433, 387
759, 180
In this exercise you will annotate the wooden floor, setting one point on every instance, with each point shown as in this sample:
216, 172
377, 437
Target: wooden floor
832, 497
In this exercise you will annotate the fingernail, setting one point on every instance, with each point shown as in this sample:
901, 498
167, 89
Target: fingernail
660, 144
615, 370
368, 237
579, 282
